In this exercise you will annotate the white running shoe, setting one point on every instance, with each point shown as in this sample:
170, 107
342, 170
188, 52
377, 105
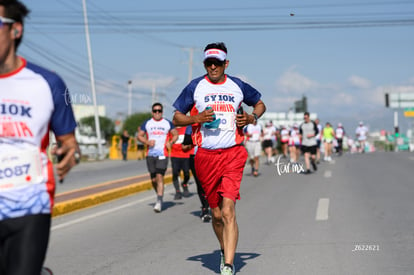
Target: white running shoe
227, 270
158, 206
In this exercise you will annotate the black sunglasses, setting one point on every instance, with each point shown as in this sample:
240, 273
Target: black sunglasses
157, 111
213, 61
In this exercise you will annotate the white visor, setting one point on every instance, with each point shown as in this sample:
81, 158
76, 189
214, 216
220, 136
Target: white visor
215, 53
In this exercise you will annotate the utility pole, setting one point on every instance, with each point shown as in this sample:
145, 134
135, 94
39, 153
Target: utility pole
154, 92
129, 97
88, 46
190, 62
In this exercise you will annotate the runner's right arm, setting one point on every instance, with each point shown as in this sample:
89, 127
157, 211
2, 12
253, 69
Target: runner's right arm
181, 119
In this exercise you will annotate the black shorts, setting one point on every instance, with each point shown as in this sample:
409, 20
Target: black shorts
179, 164
24, 243
156, 165
267, 143
309, 149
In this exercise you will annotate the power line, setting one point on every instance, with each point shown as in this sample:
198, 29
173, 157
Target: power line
236, 9
117, 21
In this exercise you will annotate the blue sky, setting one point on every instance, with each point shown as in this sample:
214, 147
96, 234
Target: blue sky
344, 56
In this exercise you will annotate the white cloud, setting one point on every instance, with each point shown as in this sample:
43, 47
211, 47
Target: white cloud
149, 81
403, 89
282, 104
359, 82
343, 99
354, 99
294, 82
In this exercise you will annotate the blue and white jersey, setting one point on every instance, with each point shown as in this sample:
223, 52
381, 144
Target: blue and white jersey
224, 98
33, 101
157, 130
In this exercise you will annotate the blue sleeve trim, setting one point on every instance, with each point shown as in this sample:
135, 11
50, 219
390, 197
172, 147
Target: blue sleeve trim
62, 121
250, 94
185, 100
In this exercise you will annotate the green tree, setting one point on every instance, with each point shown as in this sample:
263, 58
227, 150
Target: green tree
106, 124
132, 122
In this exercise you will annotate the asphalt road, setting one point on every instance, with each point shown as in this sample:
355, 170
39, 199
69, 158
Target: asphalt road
353, 216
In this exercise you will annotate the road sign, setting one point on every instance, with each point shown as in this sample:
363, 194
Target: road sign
400, 100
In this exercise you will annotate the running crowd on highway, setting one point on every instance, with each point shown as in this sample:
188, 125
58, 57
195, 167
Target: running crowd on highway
209, 134
264, 140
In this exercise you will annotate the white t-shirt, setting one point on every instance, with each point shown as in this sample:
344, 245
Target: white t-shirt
224, 98
157, 130
339, 132
269, 132
361, 132
254, 132
33, 101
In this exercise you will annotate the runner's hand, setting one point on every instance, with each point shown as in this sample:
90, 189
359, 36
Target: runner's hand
241, 120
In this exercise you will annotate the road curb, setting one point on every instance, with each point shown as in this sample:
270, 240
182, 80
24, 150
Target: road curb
105, 196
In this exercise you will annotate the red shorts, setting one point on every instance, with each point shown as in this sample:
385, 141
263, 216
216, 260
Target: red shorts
220, 172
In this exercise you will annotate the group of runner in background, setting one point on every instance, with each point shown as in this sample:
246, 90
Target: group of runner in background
286, 141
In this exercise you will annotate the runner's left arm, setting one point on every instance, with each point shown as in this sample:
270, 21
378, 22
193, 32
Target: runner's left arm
174, 137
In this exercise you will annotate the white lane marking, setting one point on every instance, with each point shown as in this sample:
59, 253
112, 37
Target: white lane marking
322, 209
98, 214
327, 174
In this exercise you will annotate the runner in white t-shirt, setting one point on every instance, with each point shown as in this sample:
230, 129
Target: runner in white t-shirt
339, 135
33, 101
361, 133
213, 102
284, 139
158, 134
269, 136
254, 149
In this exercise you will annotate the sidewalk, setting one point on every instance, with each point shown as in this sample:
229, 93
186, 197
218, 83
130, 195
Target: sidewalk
93, 194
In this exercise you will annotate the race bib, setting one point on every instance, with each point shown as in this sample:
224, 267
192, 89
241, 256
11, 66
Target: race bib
180, 139
20, 168
227, 121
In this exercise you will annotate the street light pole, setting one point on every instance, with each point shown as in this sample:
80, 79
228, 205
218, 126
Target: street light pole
154, 93
92, 77
129, 97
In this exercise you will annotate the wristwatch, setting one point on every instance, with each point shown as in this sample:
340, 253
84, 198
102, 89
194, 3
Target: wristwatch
255, 117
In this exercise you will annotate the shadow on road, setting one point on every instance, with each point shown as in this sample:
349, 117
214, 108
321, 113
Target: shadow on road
212, 260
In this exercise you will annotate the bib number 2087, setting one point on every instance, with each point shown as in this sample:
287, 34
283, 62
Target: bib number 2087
15, 171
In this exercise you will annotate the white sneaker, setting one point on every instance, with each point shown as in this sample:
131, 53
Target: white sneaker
228, 271
158, 206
